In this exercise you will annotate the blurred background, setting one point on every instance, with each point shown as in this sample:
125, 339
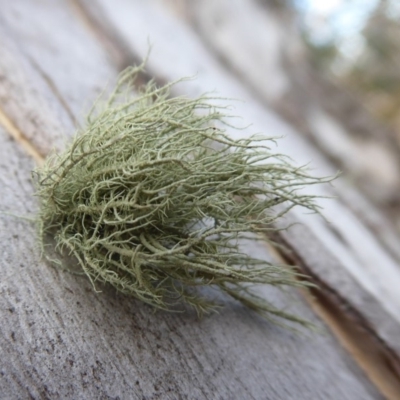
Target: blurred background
355, 44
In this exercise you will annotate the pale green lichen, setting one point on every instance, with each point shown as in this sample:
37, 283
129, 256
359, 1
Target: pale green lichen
153, 198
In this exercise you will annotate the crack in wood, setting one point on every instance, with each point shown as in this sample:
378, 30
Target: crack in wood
111, 41
53, 88
118, 50
19, 137
380, 363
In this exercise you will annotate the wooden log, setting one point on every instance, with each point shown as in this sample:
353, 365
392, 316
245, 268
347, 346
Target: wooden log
60, 339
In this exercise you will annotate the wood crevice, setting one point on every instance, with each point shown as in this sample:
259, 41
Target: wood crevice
110, 40
377, 359
53, 87
115, 46
10, 127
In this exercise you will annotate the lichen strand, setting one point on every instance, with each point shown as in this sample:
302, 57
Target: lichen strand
153, 198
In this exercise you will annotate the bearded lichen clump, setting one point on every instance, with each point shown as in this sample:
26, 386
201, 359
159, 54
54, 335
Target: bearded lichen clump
154, 198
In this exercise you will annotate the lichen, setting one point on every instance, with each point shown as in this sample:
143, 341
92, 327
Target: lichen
154, 198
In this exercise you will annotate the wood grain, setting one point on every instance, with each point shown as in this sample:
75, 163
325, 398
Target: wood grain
58, 338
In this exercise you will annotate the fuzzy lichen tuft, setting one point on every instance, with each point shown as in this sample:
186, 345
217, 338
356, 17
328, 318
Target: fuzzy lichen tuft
154, 198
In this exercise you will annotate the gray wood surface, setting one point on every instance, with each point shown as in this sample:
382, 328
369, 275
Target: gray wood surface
59, 339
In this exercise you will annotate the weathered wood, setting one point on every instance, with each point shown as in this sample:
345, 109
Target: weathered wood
31, 62
24, 111
58, 338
